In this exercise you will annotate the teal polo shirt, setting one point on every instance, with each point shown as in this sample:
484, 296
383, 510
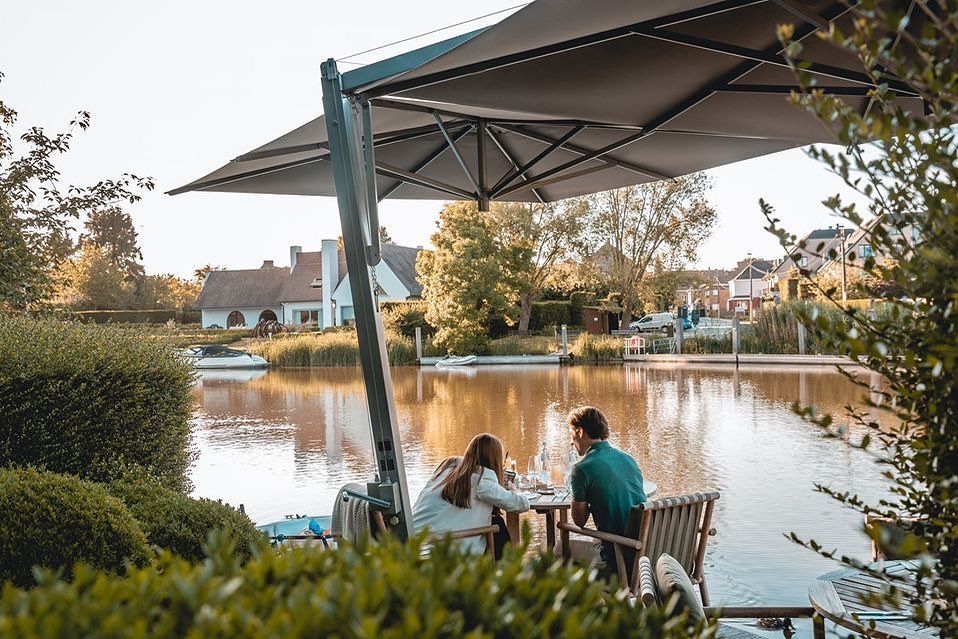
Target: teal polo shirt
611, 482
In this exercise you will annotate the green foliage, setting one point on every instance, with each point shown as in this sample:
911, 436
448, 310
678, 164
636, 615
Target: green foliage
181, 524
909, 179
546, 315
329, 348
466, 280
90, 400
56, 520
597, 348
405, 317
111, 230
388, 591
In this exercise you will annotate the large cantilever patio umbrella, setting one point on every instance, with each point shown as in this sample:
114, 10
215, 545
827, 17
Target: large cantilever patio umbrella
562, 98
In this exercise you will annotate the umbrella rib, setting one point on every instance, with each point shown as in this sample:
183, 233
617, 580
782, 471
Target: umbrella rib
459, 158
521, 171
511, 159
622, 164
420, 180
426, 161
763, 57
239, 177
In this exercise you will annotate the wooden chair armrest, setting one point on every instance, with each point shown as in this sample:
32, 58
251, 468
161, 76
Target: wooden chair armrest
470, 532
758, 612
618, 540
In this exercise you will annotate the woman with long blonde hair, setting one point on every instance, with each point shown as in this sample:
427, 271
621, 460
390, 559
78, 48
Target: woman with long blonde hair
463, 492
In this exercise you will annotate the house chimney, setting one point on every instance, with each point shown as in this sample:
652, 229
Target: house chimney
330, 271
294, 252
267, 264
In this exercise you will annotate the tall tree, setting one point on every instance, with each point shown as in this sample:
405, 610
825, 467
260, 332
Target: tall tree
384, 236
111, 228
37, 209
534, 239
91, 281
662, 222
465, 282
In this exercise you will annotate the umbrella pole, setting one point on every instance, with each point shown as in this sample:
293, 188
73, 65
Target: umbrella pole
356, 196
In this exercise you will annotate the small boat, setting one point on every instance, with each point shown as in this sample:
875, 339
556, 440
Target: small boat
454, 360
214, 356
296, 530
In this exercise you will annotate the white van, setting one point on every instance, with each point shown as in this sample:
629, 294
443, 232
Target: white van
652, 322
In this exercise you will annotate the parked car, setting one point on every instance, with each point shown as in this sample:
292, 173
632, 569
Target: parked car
652, 322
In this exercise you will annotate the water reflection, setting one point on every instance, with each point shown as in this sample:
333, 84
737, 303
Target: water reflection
285, 441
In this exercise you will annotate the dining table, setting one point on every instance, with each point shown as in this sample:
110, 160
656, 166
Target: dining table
846, 597
553, 503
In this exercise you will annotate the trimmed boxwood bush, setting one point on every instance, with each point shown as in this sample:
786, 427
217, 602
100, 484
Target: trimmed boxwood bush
386, 591
181, 524
53, 520
89, 400
404, 317
151, 316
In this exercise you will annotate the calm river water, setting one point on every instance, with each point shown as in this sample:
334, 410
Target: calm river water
284, 441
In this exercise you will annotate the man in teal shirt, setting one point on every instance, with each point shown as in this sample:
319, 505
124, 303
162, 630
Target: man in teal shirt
606, 482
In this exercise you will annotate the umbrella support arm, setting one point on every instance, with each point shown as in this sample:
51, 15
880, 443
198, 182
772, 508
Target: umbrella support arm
346, 126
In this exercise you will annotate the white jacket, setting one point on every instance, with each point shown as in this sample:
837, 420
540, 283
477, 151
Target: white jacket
439, 516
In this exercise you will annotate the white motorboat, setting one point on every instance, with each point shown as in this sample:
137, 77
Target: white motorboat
456, 360
217, 356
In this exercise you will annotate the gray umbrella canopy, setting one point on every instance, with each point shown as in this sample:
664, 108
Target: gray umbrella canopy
568, 97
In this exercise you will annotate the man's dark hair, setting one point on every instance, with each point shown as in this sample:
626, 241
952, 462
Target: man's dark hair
591, 420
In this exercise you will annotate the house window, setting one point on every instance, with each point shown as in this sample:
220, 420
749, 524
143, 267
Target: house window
803, 262
316, 283
915, 233
235, 319
865, 250
309, 317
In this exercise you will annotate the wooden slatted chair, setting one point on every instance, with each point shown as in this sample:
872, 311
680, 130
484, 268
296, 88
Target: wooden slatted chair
483, 531
649, 595
679, 526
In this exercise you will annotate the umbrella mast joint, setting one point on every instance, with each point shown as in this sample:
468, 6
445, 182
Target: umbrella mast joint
349, 128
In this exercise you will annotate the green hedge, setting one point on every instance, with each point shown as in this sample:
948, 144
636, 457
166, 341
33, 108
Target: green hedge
548, 314
91, 400
386, 591
181, 524
152, 316
55, 520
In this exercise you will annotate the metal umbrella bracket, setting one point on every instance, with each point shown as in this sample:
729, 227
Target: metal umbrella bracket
554, 101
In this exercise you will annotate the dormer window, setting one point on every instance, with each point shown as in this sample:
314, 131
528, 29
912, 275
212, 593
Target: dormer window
316, 283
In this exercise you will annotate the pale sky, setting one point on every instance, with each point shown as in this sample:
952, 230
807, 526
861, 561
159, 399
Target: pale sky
178, 88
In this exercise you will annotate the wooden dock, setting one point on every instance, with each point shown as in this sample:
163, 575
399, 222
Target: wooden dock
484, 360
740, 359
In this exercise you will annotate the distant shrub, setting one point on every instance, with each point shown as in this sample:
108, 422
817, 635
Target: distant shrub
181, 524
387, 590
153, 316
548, 314
577, 300
53, 520
522, 346
597, 348
405, 317
329, 348
90, 400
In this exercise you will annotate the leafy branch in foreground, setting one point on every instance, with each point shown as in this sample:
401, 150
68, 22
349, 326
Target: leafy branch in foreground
902, 160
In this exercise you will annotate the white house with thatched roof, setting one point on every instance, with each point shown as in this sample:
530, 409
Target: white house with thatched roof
313, 289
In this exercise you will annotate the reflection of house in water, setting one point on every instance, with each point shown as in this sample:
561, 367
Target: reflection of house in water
323, 417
